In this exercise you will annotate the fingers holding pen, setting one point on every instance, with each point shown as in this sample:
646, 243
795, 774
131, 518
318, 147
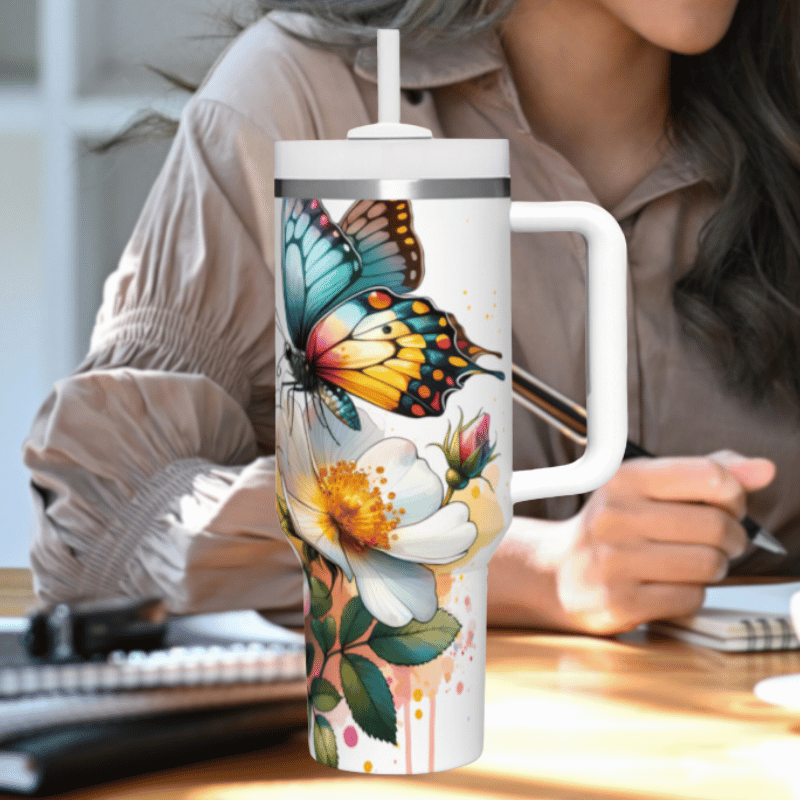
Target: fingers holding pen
650, 539
718, 481
721, 479
628, 522
657, 543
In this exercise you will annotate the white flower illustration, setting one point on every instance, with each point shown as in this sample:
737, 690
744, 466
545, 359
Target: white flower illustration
373, 507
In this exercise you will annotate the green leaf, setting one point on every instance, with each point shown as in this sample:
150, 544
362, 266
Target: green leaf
417, 642
321, 600
324, 695
318, 629
368, 696
286, 521
309, 657
325, 743
310, 553
355, 621
330, 631
324, 631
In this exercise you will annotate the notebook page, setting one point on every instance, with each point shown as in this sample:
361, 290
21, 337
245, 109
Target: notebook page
765, 598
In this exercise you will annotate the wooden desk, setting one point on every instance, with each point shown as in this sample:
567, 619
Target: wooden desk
567, 717
16, 592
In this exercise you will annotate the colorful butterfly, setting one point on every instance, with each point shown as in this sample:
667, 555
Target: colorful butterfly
350, 329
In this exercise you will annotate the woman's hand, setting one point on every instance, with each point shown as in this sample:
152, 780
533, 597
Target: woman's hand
643, 547
650, 540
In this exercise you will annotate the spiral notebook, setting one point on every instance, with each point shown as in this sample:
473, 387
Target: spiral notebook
739, 618
225, 683
212, 660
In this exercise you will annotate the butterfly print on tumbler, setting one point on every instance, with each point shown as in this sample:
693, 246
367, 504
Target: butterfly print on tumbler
352, 329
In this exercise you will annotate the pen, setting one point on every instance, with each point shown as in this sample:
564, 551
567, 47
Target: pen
570, 418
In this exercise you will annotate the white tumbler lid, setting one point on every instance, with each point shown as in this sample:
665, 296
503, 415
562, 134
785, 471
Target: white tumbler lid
389, 150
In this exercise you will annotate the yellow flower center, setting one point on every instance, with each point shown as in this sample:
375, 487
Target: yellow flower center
356, 510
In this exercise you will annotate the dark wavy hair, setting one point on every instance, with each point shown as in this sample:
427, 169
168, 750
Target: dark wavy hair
735, 112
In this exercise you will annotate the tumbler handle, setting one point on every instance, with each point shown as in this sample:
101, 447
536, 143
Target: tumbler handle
606, 348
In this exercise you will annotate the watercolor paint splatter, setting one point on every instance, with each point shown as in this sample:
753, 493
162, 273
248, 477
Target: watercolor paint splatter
350, 736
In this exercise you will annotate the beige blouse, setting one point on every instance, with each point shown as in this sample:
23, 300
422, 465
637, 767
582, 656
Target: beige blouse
151, 464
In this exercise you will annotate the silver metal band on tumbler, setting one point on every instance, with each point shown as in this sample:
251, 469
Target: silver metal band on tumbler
392, 189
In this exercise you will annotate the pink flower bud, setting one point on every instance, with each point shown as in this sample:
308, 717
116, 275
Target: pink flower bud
472, 438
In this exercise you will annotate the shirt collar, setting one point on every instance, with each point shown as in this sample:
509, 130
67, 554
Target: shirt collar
674, 172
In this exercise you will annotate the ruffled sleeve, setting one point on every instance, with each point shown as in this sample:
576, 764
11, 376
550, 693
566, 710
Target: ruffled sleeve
151, 464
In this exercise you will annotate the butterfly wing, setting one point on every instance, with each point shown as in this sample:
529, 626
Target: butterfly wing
397, 353
382, 233
465, 345
319, 265
324, 263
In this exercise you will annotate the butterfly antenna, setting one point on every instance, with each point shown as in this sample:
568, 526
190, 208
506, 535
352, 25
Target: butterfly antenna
285, 388
296, 388
291, 409
280, 387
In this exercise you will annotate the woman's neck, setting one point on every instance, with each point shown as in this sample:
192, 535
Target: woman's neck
591, 88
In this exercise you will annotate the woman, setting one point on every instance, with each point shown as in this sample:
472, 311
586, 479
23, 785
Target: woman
151, 464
